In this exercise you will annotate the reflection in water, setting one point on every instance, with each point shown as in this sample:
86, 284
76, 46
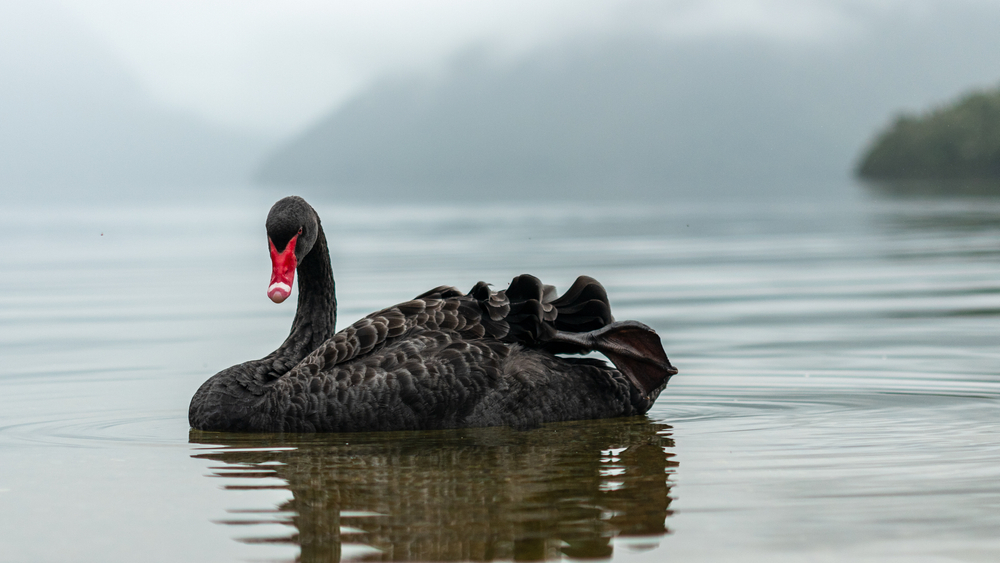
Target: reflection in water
956, 207
959, 187
476, 494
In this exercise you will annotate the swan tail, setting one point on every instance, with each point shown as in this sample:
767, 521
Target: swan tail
532, 313
577, 322
634, 348
583, 308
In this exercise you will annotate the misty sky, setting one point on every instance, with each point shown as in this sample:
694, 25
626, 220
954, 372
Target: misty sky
275, 66
211, 92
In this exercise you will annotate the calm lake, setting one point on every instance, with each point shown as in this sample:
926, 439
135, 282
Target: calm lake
838, 396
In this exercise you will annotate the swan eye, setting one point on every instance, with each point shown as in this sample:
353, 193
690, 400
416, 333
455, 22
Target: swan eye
300, 230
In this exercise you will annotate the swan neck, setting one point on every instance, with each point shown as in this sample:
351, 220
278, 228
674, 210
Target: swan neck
316, 312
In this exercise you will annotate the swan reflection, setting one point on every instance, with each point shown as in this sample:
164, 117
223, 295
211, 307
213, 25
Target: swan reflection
563, 490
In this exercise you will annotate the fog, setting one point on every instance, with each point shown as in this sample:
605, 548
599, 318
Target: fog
74, 118
437, 98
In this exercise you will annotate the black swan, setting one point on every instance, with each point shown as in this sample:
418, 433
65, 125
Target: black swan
443, 360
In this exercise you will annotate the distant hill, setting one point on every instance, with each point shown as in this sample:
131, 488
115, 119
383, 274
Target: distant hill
958, 141
72, 118
610, 115
624, 115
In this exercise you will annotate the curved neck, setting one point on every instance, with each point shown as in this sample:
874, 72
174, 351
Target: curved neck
316, 313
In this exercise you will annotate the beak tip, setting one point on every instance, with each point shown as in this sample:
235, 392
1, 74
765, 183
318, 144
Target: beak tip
278, 292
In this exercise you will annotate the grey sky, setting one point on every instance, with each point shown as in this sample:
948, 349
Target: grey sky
276, 66
198, 92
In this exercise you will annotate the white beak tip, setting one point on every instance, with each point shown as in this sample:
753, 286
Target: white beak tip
279, 291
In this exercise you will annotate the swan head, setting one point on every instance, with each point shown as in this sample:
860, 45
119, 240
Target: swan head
292, 229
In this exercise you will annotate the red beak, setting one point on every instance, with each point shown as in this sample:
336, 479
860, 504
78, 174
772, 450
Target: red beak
282, 271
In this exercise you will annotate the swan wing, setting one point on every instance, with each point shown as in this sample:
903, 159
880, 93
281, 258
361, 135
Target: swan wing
376, 330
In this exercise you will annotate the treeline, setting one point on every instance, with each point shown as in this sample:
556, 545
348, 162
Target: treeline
957, 141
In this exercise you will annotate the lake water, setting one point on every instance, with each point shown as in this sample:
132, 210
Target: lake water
838, 396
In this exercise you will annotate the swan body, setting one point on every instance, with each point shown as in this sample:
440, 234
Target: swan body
445, 359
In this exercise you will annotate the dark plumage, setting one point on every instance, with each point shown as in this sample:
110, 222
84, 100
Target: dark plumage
443, 360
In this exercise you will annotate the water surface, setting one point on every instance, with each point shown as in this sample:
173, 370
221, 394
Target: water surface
838, 396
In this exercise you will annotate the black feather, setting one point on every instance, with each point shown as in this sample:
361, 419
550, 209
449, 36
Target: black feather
441, 360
